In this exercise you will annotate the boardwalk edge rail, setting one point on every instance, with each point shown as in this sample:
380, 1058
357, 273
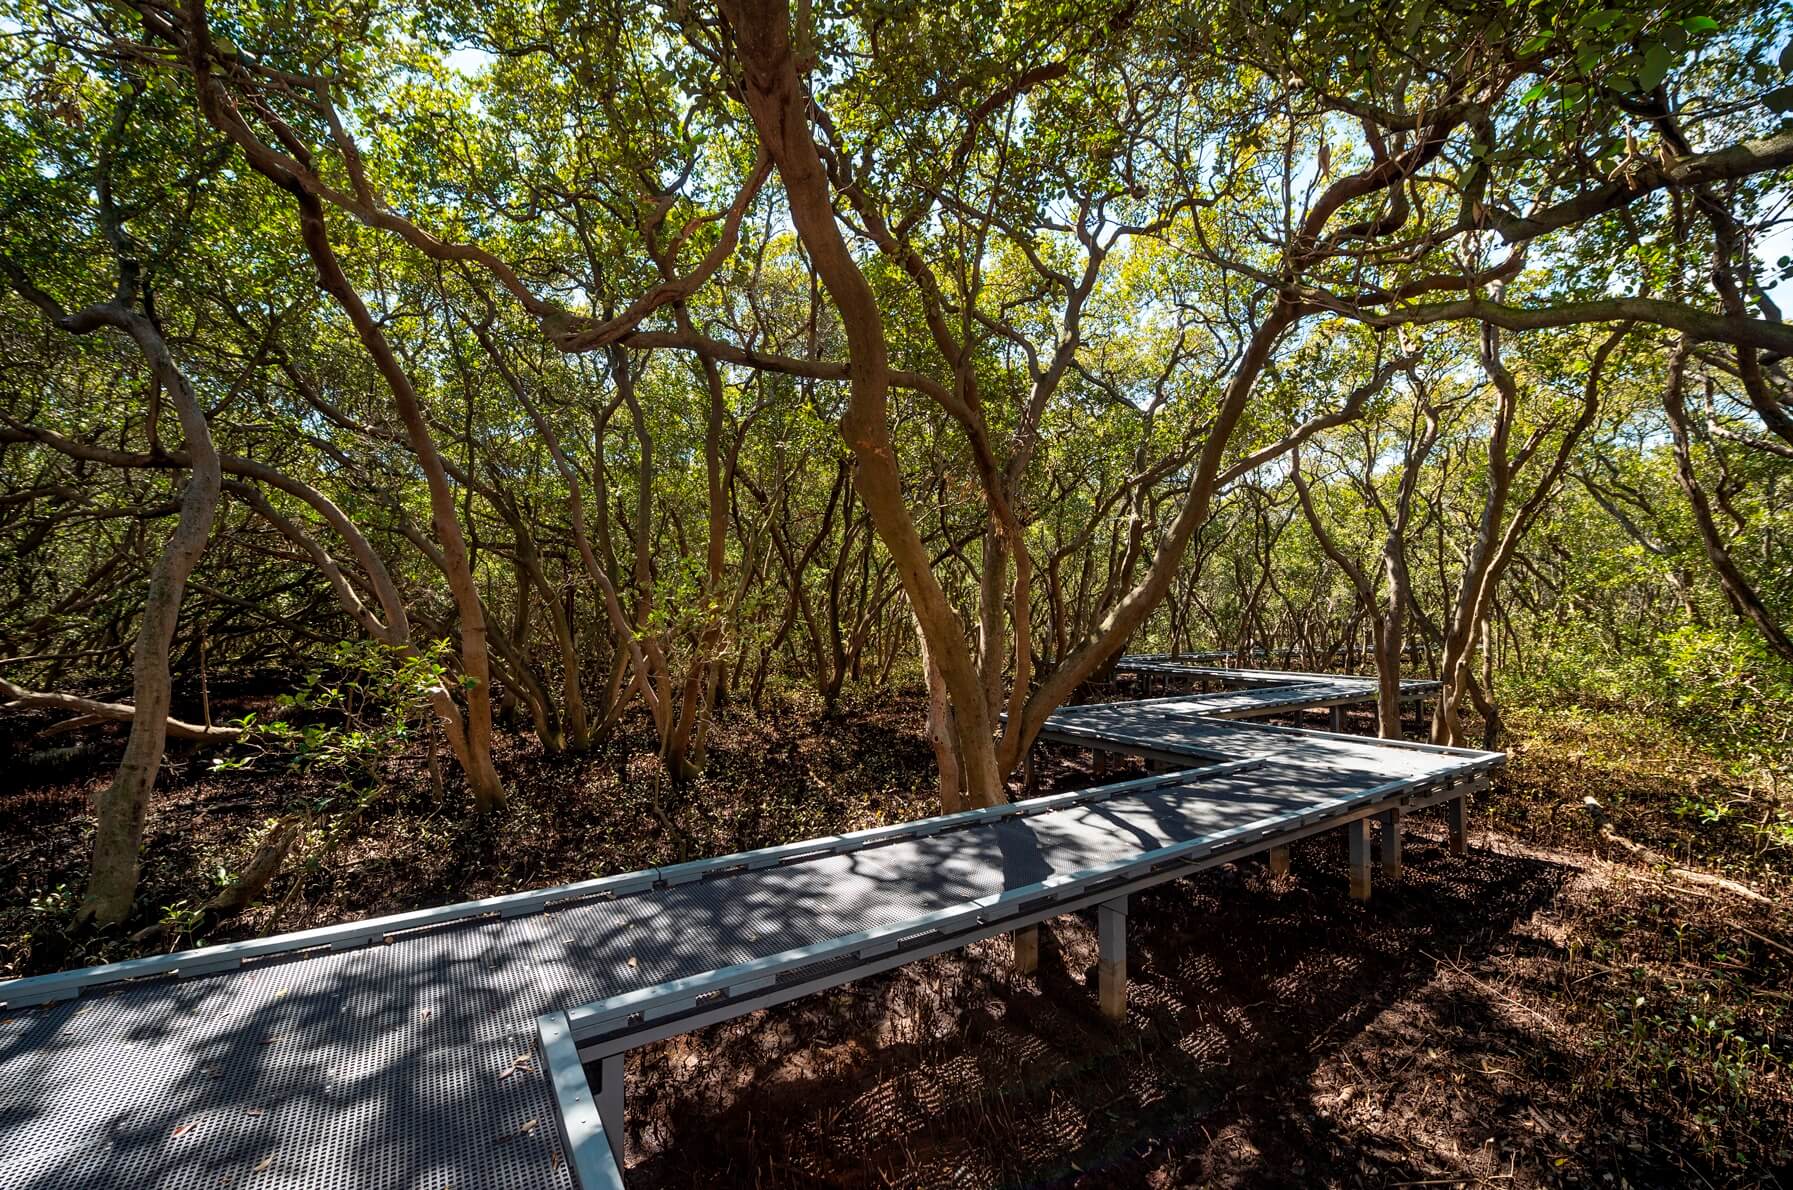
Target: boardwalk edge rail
210, 960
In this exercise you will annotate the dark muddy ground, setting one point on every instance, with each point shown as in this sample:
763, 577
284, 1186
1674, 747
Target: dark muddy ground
1548, 1010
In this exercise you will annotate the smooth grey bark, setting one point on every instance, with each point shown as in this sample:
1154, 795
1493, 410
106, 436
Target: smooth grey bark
124, 804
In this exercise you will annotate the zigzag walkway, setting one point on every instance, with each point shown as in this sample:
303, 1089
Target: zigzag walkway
481, 1044
1230, 692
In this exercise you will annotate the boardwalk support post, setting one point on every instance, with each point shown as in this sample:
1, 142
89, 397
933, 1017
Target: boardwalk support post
610, 1102
1027, 950
1111, 971
1279, 860
1338, 719
1388, 842
1357, 836
1458, 811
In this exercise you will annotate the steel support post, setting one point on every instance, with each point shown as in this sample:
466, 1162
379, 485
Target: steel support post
1388, 842
1027, 950
610, 1102
1111, 971
1357, 837
1457, 811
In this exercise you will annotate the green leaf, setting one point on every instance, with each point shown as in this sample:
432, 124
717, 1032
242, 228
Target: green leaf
1779, 100
1536, 93
1698, 25
1657, 61
1786, 62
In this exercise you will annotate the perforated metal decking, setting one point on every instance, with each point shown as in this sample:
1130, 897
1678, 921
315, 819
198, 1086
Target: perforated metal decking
1249, 693
436, 1049
382, 1066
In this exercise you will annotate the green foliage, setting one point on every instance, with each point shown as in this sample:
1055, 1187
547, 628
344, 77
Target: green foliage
58, 904
345, 724
181, 919
1073, 219
1719, 683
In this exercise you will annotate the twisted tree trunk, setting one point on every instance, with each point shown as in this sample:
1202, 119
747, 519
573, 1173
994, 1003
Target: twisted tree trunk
776, 99
124, 804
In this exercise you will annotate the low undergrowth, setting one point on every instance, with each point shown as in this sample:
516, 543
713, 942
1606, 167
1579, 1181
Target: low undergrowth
1660, 785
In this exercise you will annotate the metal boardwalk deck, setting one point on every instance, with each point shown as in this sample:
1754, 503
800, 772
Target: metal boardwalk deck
1195, 668
403, 1052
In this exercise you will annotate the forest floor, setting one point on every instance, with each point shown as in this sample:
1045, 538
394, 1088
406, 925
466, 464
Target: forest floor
1554, 1008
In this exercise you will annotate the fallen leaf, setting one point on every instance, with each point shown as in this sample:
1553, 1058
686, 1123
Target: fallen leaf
264, 1163
255, 1111
528, 1129
632, 962
181, 1129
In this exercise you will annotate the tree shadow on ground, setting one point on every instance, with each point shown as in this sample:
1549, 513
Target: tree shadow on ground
1251, 996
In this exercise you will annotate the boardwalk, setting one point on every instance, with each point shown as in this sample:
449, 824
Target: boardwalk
452, 1047
1230, 692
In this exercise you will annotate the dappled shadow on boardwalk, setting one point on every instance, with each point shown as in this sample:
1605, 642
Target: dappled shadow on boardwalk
955, 1072
385, 1066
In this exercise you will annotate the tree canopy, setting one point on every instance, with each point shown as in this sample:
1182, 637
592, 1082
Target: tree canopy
605, 360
